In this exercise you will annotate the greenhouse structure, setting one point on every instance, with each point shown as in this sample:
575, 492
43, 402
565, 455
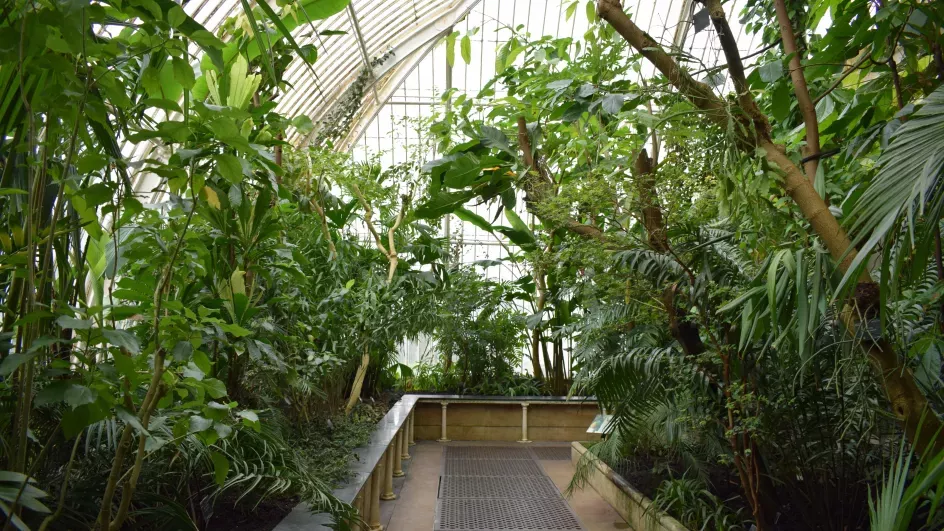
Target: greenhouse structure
471, 265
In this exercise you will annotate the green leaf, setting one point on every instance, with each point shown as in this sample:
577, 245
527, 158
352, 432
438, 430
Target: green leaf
220, 467
261, 41
772, 288
211, 45
130, 419
13, 361
466, 49
78, 395
471, 217
176, 16
183, 73
182, 351
308, 56
443, 203
229, 167
321, 9
123, 339
771, 72
214, 387
612, 103
492, 137
464, 172
198, 424
906, 185
248, 414
780, 102
65, 321
560, 84
451, 48
124, 365
235, 330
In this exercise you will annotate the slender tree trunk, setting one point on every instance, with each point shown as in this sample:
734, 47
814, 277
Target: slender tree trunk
536, 355
358, 384
807, 108
651, 211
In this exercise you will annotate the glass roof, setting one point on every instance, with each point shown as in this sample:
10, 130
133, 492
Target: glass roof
396, 37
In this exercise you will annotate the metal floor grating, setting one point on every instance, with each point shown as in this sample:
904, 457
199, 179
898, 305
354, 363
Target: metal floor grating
502, 514
517, 487
487, 452
552, 453
501, 488
492, 467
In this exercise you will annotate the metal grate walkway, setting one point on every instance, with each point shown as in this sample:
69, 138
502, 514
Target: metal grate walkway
500, 488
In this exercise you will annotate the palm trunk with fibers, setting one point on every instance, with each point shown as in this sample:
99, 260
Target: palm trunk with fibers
907, 400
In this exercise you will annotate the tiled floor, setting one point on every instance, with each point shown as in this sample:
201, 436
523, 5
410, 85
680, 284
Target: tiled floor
417, 493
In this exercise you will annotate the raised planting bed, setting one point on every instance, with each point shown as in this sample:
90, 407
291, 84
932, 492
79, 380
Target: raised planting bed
631, 504
502, 418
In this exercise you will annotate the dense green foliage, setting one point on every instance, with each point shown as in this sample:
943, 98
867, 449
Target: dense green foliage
746, 258
704, 260
179, 329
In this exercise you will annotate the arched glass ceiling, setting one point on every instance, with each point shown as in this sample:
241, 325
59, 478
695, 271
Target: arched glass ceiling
384, 130
385, 40
389, 45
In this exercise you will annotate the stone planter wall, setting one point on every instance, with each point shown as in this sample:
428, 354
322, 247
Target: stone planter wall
628, 502
490, 418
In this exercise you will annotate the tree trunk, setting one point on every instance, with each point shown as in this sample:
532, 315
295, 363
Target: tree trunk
648, 198
358, 384
807, 108
908, 402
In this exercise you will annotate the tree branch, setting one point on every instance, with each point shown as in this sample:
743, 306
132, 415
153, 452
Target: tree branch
807, 108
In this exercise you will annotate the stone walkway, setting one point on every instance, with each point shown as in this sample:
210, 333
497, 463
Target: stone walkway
493, 486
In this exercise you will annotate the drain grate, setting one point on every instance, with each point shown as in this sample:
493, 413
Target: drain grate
486, 452
488, 514
521, 487
492, 467
552, 453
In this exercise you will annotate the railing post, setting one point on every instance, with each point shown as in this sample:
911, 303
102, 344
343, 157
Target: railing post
398, 456
405, 446
365, 504
412, 421
524, 423
443, 438
388, 493
376, 481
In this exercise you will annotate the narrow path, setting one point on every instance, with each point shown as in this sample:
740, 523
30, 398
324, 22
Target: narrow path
491, 488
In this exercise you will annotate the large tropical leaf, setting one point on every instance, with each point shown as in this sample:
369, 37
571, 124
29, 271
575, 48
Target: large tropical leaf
908, 183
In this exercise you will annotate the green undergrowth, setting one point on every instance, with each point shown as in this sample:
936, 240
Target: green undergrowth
327, 446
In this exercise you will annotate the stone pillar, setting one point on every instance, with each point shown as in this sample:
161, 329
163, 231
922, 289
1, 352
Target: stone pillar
365, 504
398, 456
412, 420
405, 446
524, 423
376, 483
388, 493
443, 438
359, 506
